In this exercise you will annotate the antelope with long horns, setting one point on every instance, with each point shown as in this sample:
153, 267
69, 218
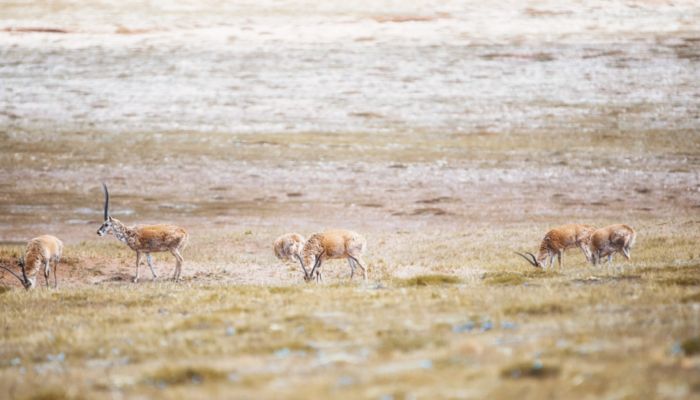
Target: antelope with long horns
42, 251
333, 244
559, 239
610, 240
146, 239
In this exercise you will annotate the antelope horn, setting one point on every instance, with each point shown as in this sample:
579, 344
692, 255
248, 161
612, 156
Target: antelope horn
533, 262
24, 271
316, 263
15, 275
302, 264
106, 200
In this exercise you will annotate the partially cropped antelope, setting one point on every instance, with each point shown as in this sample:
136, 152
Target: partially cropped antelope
333, 244
559, 239
41, 251
146, 239
610, 240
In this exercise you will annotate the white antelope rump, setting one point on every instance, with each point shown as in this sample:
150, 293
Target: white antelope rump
41, 251
612, 239
333, 244
290, 247
559, 239
146, 239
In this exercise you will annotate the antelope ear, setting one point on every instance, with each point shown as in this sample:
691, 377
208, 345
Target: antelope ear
109, 218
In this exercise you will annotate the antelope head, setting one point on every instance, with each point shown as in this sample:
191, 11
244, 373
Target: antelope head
532, 261
310, 275
23, 279
107, 224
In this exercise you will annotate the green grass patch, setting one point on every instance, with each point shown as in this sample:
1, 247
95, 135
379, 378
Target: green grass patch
693, 298
404, 340
691, 346
541, 273
681, 281
537, 309
174, 375
670, 269
51, 393
534, 369
504, 278
283, 289
430, 280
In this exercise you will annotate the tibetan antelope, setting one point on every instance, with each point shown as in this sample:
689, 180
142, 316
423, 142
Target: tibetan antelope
610, 240
41, 251
289, 247
559, 239
333, 244
146, 239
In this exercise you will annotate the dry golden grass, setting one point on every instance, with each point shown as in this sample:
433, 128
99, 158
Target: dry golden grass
507, 331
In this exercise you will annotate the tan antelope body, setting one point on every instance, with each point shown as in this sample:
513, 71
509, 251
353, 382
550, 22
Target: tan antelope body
612, 239
559, 239
333, 244
41, 252
290, 247
146, 239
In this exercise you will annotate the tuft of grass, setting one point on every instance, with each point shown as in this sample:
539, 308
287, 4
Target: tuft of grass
693, 298
541, 273
404, 340
691, 346
175, 375
430, 280
51, 393
681, 281
199, 322
530, 370
504, 278
283, 289
537, 309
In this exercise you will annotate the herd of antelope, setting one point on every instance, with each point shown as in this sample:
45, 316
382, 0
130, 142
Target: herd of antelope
45, 250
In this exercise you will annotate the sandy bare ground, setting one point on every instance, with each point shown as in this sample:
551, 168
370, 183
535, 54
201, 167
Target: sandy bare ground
366, 116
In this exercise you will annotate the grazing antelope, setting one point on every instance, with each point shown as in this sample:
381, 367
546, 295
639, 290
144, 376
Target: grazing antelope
146, 239
612, 239
332, 245
289, 247
41, 252
559, 239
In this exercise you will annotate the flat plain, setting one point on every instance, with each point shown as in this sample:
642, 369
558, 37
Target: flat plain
450, 135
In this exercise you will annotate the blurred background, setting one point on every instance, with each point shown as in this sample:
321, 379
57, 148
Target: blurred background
370, 113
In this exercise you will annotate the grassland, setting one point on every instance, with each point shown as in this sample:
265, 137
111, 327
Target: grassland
473, 327
449, 138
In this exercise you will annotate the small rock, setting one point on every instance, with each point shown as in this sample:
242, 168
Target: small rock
346, 380
60, 357
677, 349
508, 325
283, 353
467, 327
